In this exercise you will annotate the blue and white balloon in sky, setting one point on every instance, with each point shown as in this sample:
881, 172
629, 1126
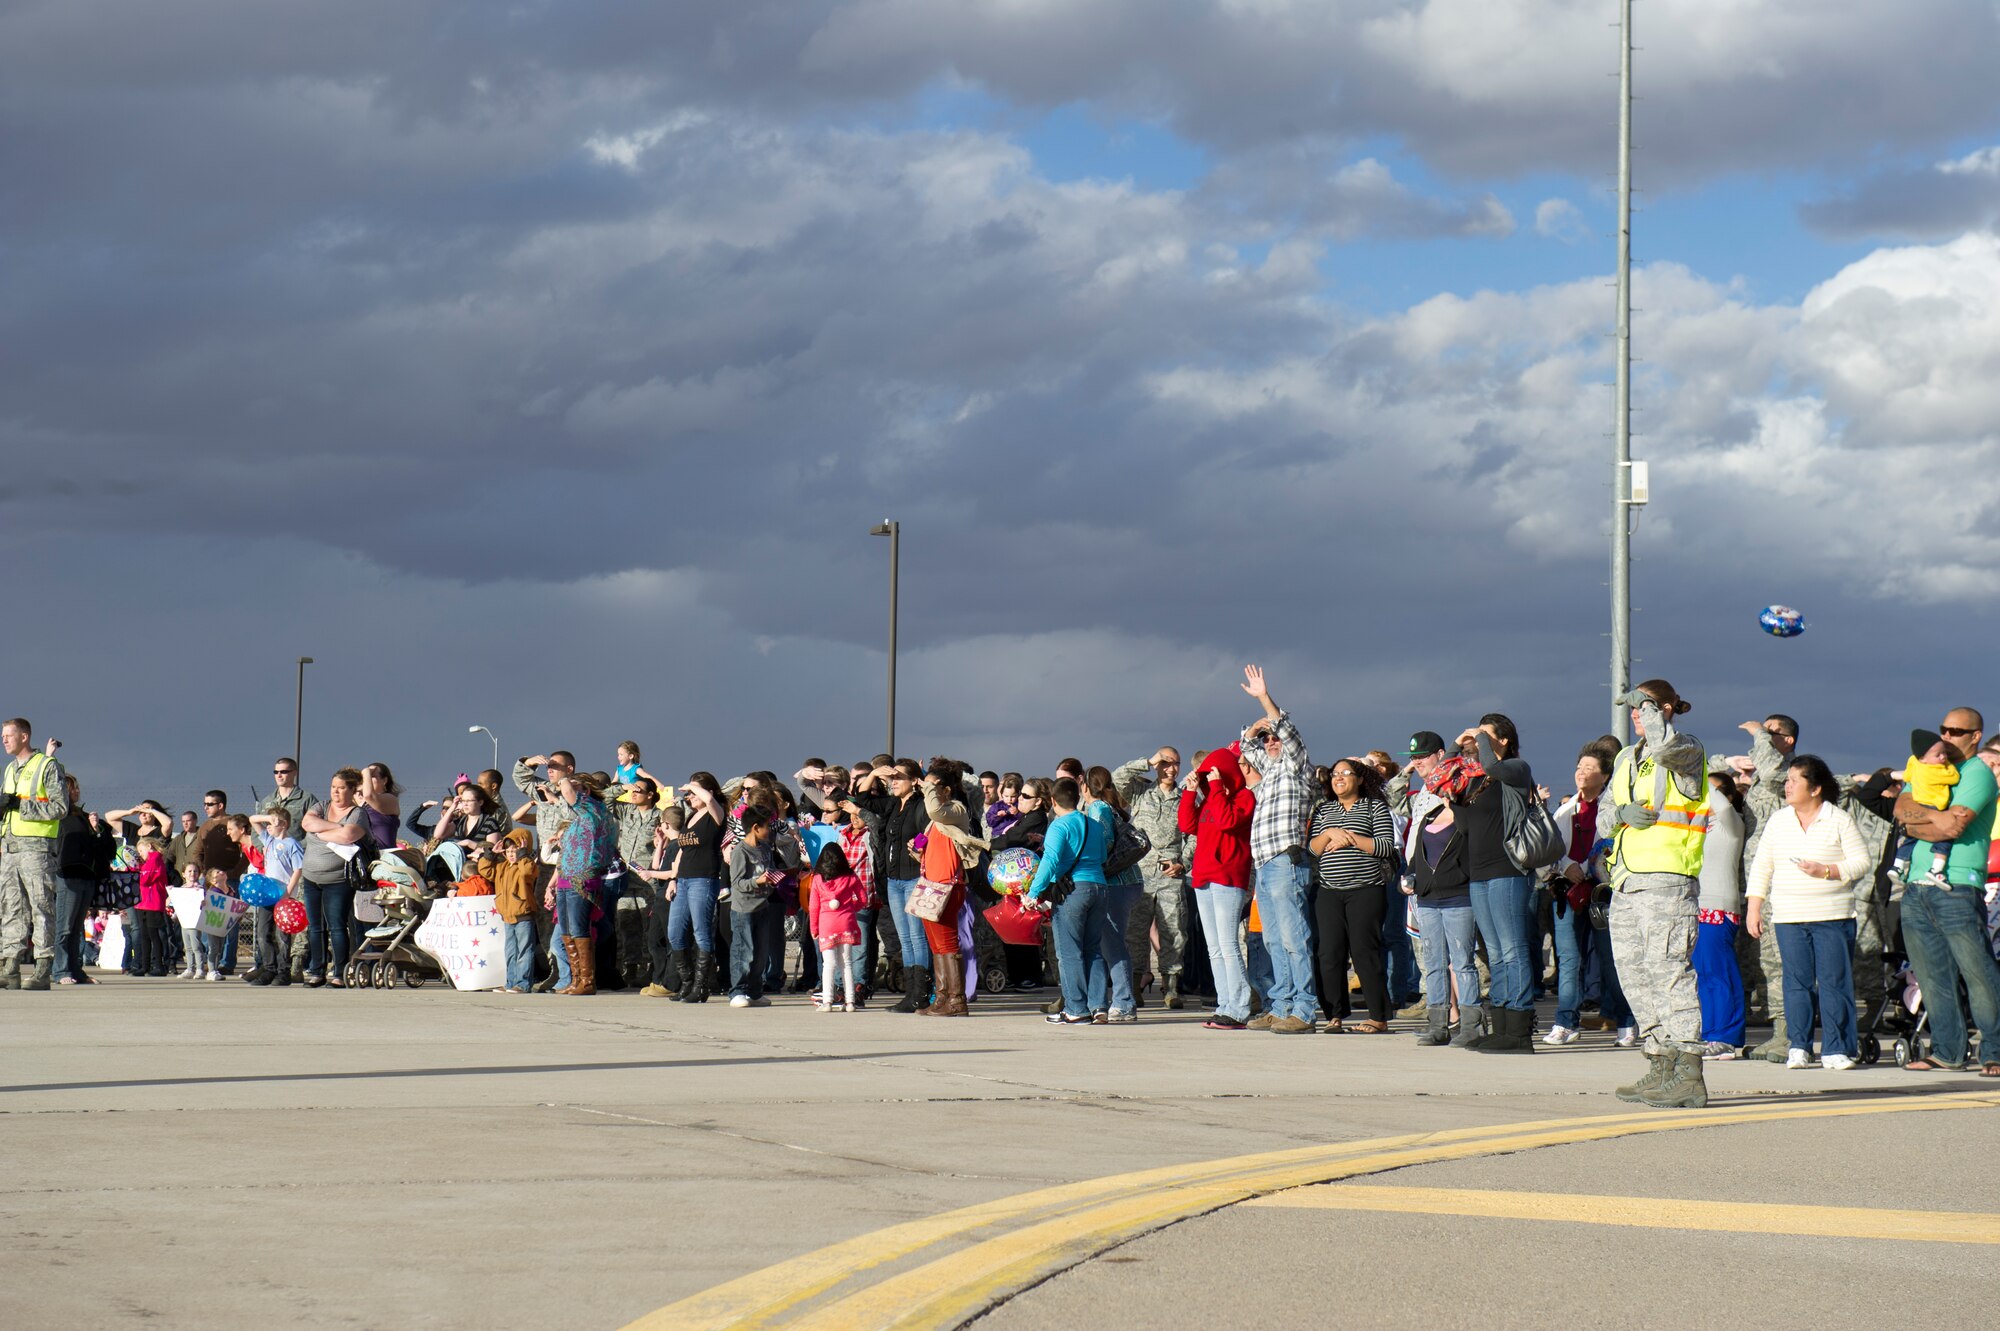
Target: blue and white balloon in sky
1781, 621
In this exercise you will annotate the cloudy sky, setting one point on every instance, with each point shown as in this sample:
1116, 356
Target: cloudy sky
543, 366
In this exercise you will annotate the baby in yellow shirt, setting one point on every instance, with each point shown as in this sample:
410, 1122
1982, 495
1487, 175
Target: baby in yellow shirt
1928, 778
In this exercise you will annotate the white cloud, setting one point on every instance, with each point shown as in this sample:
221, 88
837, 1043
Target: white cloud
1559, 219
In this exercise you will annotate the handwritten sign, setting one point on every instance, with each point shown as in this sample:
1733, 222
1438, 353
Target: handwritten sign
464, 934
187, 904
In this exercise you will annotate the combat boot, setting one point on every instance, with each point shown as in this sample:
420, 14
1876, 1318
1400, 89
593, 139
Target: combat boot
41, 977
1640, 1091
1684, 1086
1170, 992
10, 974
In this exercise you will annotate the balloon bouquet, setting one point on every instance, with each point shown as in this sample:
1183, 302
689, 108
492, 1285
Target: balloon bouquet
1010, 873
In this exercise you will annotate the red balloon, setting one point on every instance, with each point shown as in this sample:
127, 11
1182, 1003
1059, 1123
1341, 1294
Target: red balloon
289, 916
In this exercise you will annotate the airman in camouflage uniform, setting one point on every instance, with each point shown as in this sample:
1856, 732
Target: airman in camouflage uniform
1150, 789
36, 798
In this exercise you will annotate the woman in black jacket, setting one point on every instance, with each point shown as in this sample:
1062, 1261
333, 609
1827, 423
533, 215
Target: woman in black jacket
1024, 963
83, 859
1503, 896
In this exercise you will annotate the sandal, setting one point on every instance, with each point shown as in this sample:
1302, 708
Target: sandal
1928, 1064
1372, 1028
1333, 1028
1989, 1070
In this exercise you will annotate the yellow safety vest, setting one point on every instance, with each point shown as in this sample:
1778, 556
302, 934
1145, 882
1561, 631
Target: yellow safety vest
29, 781
1673, 844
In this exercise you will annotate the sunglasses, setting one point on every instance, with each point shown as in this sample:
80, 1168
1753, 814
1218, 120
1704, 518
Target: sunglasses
1955, 731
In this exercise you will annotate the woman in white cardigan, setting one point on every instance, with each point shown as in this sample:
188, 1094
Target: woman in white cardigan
1803, 881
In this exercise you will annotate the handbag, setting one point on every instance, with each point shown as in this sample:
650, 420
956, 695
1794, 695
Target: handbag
1128, 845
927, 900
1529, 831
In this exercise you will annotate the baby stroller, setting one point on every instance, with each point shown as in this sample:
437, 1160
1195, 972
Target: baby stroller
389, 950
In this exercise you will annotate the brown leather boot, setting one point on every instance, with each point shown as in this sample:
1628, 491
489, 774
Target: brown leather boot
951, 989
940, 982
583, 968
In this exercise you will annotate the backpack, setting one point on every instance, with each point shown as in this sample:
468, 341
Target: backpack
1128, 846
1528, 829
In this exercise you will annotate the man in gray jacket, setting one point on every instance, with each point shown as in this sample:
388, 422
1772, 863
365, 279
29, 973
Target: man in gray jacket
1150, 789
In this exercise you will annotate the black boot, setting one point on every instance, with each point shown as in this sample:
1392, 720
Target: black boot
916, 989
694, 983
1513, 1032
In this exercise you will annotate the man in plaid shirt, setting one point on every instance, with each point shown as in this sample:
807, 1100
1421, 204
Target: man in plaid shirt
1271, 748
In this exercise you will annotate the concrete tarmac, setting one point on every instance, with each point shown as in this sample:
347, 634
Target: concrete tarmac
182, 1153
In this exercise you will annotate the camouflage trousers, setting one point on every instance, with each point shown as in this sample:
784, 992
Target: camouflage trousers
1163, 903
28, 882
1652, 940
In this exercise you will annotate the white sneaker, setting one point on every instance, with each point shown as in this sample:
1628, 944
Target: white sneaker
189, 974
215, 976
1627, 1036
1836, 1062
1798, 1058
740, 1000
1559, 1035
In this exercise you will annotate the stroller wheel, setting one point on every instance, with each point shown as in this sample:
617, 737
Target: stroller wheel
385, 975
1904, 1053
1871, 1050
413, 979
993, 979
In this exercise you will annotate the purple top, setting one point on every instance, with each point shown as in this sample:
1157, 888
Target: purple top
381, 828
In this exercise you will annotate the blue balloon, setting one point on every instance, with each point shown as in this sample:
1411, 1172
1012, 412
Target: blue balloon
258, 889
1781, 621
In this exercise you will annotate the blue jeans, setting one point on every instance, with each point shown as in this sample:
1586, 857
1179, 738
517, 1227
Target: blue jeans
693, 907
1501, 908
73, 897
1399, 960
1819, 981
520, 940
1222, 910
1079, 926
1576, 944
864, 960
1449, 936
909, 929
1116, 960
1946, 935
1283, 907
328, 906
753, 934
572, 913
1256, 963
1719, 982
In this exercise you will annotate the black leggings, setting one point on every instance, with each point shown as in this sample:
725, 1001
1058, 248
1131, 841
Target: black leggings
1350, 929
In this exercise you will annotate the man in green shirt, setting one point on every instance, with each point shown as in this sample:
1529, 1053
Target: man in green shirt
1944, 923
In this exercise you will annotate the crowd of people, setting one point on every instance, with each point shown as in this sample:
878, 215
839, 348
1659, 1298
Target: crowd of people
1673, 897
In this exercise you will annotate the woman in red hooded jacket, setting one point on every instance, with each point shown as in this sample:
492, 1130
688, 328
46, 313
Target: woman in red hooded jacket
1215, 809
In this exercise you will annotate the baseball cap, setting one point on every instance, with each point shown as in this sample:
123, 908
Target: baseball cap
1424, 743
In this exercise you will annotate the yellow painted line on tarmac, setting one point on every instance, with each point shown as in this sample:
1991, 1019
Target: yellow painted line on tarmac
976, 1256
1833, 1222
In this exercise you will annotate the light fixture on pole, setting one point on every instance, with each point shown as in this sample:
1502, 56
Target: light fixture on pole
892, 529
299, 720
482, 730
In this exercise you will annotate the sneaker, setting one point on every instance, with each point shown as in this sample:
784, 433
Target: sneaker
1120, 1017
1064, 1019
1261, 1022
1798, 1058
1717, 1051
655, 991
1559, 1035
739, 1000
216, 977
1627, 1036
1100, 1019
1836, 1062
759, 1001
1291, 1026
1218, 1022
189, 973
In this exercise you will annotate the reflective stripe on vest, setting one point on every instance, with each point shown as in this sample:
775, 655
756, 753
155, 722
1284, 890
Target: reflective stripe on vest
1674, 843
30, 781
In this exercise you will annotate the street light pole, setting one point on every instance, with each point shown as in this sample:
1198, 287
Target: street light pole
299, 719
892, 529
482, 730
1621, 470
